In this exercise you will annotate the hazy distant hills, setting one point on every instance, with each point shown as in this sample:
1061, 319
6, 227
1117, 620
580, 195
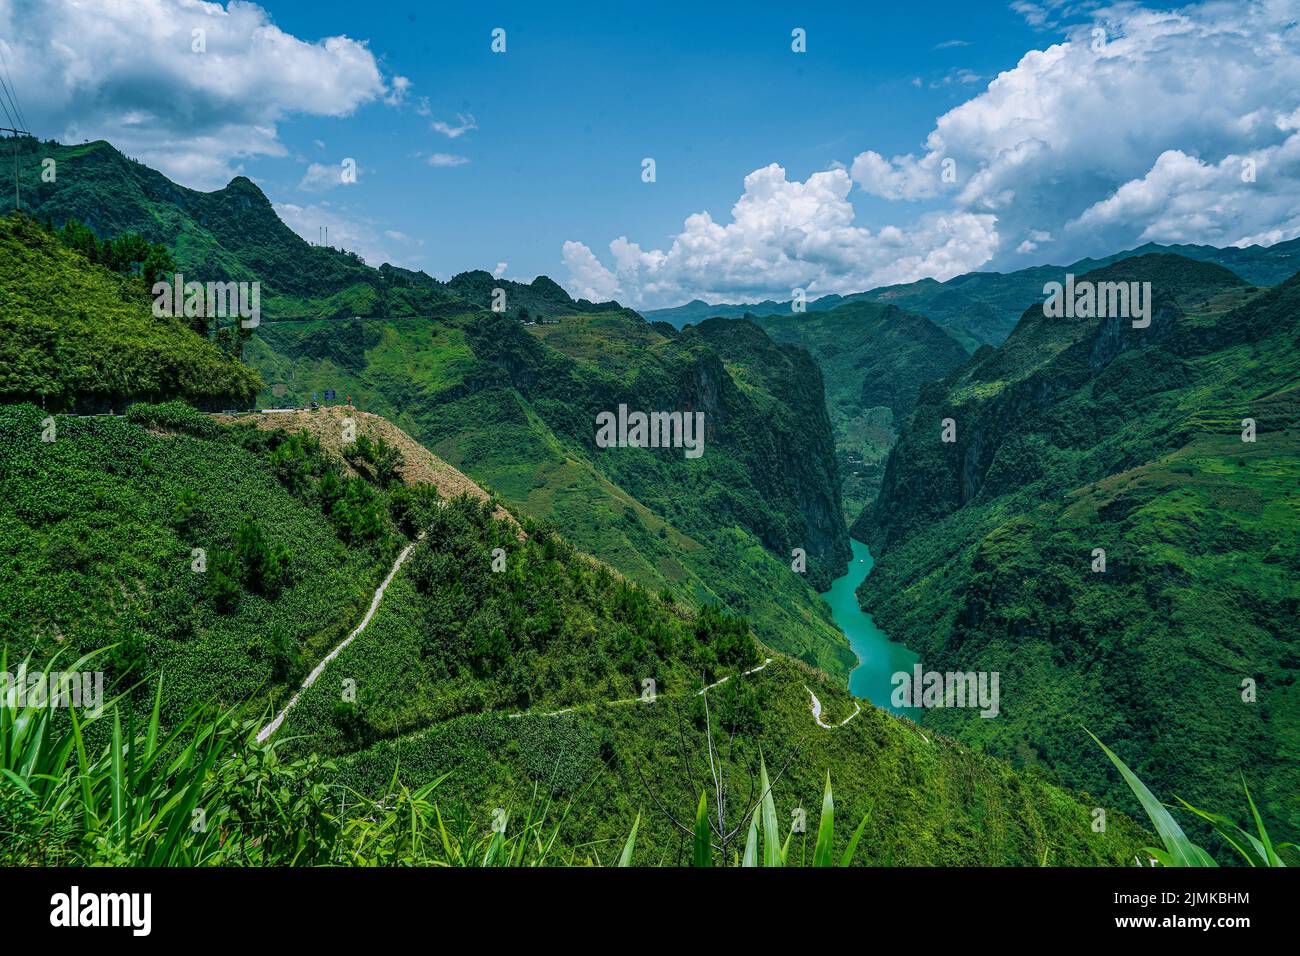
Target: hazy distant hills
982, 307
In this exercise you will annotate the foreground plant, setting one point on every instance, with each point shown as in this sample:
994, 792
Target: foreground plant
205, 793
769, 849
409, 827
1179, 850
192, 796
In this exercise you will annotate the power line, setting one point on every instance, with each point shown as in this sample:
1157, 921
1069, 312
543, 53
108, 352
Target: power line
13, 89
9, 116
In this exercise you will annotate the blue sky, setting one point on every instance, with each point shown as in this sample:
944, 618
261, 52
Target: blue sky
566, 115
910, 140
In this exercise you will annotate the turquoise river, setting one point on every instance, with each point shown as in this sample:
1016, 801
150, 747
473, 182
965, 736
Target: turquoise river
879, 658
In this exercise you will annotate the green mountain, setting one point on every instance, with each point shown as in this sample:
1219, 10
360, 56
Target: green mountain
86, 338
874, 360
1084, 434
234, 234
219, 558
453, 653
489, 394
515, 407
980, 308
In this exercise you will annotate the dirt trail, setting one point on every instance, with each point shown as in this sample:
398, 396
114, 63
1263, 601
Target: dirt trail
274, 725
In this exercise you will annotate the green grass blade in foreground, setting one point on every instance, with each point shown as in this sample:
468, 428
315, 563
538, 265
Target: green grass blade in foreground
703, 851
847, 858
825, 828
625, 858
1179, 850
751, 841
771, 835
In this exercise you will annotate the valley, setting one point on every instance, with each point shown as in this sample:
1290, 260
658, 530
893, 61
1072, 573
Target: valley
505, 569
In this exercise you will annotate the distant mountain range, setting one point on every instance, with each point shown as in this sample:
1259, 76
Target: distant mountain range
983, 307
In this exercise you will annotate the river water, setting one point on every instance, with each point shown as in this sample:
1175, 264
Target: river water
879, 658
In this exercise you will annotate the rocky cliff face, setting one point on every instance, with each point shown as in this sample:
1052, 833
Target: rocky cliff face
1001, 394
873, 359
783, 434
769, 460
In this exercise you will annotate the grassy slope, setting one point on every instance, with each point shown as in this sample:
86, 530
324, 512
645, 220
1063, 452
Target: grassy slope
427, 378
936, 802
75, 333
1070, 440
95, 553
551, 629
234, 233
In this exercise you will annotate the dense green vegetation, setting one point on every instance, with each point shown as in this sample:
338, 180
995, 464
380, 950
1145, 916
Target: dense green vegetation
476, 387
983, 307
547, 630
203, 793
514, 407
98, 531
507, 677
931, 800
128, 254
1257, 849
1085, 434
874, 360
77, 335
452, 637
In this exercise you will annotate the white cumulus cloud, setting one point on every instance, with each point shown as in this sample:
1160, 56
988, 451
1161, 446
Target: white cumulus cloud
1137, 133
783, 234
188, 87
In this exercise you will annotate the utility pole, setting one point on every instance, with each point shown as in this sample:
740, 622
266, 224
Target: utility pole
16, 132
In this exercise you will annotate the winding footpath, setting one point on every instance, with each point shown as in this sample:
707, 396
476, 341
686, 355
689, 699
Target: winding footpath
817, 711
274, 725
264, 734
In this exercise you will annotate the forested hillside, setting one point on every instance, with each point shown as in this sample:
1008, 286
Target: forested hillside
76, 335
517, 414
515, 406
1174, 450
214, 560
